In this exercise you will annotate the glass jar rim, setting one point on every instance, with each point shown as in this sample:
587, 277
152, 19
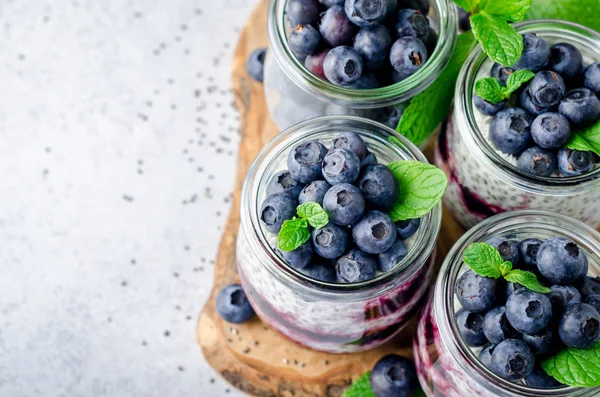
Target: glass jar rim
481, 147
363, 98
426, 236
444, 291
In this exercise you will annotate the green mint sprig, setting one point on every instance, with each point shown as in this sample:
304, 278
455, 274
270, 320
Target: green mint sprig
490, 89
586, 140
362, 388
486, 261
294, 232
575, 367
583, 12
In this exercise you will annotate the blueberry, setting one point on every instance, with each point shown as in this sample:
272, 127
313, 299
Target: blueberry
579, 326
368, 160
303, 12
320, 272
560, 260
336, 29
256, 63
351, 141
501, 72
540, 343
365, 82
527, 104
496, 327
593, 301
331, 3
276, 209
550, 130
233, 305
368, 13
379, 186
375, 232
528, 250
547, 88
476, 293
566, 60
314, 192
394, 376
344, 203
591, 77
412, 23
511, 287
343, 65
355, 266
373, 45
304, 40
304, 161
591, 286
510, 131
330, 241
389, 259
464, 23
430, 41
538, 161
528, 312
574, 162
539, 379
341, 166
560, 296
314, 63
488, 108
536, 53
509, 249
485, 355
405, 229
283, 182
298, 258
512, 360
408, 54
470, 326
421, 5
581, 107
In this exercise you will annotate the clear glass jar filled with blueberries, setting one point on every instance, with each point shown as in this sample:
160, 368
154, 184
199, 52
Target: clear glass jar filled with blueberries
514, 149
319, 255
365, 58
514, 311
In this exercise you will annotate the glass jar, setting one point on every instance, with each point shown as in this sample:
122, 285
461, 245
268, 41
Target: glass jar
331, 317
445, 364
294, 94
482, 182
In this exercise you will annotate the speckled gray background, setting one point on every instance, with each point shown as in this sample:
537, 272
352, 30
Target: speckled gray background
117, 159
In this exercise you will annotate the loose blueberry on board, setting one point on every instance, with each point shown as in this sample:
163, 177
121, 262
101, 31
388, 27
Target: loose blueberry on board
298, 258
412, 23
314, 192
464, 23
527, 104
344, 203
355, 266
501, 72
351, 141
551, 130
547, 88
341, 166
591, 77
390, 258
593, 301
470, 326
509, 249
528, 312
303, 12
560, 260
496, 327
488, 108
343, 65
304, 40
336, 29
320, 272
579, 326
405, 229
314, 63
511, 287
379, 186
276, 209
330, 242
304, 161
476, 293
255, 64
537, 161
539, 379
368, 160
540, 343
394, 376
408, 54
233, 305
512, 360
368, 13
581, 107
528, 250
373, 44
510, 131
375, 232
283, 182
591, 286
536, 53
574, 162
566, 60
485, 355
560, 296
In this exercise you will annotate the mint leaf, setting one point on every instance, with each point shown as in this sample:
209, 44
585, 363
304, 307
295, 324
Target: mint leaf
584, 12
489, 89
314, 214
421, 188
586, 140
293, 233
429, 108
499, 40
505, 268
516, 79
484, 260
361, 387
511, 10
575, 367
467, 5
527, 280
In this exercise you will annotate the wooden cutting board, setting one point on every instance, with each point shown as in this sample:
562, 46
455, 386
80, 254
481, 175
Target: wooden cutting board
251, 356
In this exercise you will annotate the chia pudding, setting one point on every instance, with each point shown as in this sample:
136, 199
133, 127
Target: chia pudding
484, 181
447, 364
311, 308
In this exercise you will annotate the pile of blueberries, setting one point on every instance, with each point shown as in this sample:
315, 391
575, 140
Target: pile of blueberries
518, 327
361, 44
356, 192
560, 99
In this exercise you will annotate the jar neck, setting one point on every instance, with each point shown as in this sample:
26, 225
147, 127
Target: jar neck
467, 126
272, 158
520, 224
447, 22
